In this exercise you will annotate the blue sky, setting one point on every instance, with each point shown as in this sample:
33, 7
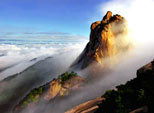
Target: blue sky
18, 17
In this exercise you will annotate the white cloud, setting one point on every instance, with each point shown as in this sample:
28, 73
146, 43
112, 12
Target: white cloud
138, 13
19, 56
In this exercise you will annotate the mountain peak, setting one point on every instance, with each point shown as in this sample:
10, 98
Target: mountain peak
107, 39
107, 16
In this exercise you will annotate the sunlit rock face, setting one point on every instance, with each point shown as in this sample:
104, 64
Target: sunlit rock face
59, 88
55, 89
107, 39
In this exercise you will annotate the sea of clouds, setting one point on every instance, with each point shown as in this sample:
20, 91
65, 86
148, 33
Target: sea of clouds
140, 21
16, 57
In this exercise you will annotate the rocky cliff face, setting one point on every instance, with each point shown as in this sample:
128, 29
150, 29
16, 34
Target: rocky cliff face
63, 88
107, 39
57, 88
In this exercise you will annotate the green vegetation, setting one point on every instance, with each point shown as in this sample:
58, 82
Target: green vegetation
134, 94
33, 96
66, 76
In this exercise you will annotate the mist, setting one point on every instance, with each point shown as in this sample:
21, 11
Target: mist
51, 61
16, 58
96, 85
34, 71
140, 25
100, 81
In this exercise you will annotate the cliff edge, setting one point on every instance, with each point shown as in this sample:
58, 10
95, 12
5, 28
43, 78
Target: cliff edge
107, 39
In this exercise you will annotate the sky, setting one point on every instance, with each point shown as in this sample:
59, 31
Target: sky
48, 17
